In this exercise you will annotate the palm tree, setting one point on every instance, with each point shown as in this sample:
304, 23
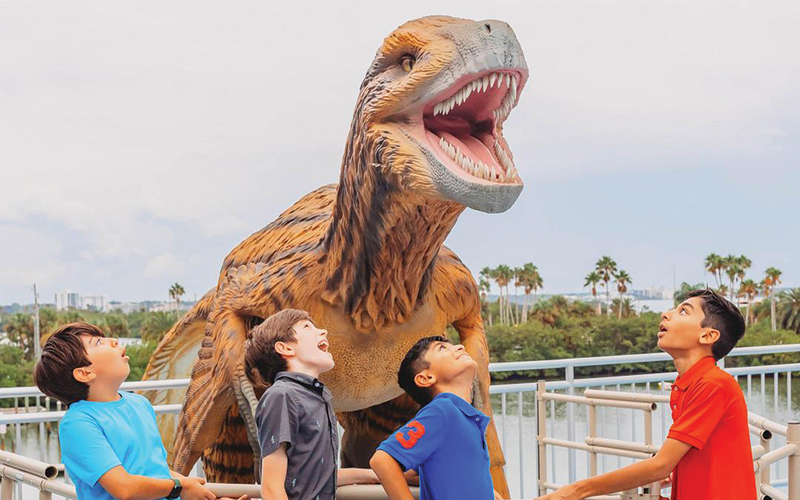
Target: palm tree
623, 307
593, 278
714, 266
789, 310
772, 280
503, 276
176, 291
749, 290
525, 277
731, 267
606, 267
622, 280
485, 286
723, 289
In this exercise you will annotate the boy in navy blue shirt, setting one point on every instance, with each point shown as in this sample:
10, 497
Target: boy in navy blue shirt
445, 442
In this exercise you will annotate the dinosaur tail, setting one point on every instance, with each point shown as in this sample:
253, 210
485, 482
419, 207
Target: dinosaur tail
174, 358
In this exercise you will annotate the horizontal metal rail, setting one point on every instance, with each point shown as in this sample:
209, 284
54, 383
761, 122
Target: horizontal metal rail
145, 385
55, 416
628, 359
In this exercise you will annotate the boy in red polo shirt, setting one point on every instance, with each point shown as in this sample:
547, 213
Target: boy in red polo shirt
707, 450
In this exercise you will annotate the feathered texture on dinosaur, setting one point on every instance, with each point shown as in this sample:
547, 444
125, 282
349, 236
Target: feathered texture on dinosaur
364, 257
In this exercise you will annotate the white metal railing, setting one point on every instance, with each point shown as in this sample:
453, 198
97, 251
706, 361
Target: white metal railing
595, 445
16, 469
562, 417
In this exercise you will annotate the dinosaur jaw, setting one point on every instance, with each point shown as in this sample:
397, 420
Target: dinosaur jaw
462, 139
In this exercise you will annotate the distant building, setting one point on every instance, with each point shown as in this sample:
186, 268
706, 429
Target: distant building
67, 300
95, 303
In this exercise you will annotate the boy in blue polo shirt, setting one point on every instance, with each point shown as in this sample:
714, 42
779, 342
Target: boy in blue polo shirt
445, 442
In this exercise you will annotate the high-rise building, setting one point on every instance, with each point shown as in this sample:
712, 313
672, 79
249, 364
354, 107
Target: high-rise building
67, 300
95, 302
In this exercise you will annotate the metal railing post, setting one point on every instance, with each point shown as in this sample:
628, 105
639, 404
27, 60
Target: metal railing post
541, 417
793, 437
764, 438
655, 488
571, 423
592, 434
7, 489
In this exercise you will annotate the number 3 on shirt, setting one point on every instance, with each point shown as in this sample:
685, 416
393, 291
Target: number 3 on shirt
416, 431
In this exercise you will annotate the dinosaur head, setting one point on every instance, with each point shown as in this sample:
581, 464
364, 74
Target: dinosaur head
432, 106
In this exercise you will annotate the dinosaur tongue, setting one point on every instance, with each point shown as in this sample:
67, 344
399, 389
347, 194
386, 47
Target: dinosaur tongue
475, 149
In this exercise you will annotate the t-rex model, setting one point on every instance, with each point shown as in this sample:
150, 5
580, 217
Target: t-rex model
365, 257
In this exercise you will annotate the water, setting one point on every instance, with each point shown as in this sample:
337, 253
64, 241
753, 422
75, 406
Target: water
520, 444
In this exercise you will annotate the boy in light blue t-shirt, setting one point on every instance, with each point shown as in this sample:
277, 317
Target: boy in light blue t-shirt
110, 444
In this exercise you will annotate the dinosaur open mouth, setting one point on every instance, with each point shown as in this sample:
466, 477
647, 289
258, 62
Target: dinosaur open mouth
463, 123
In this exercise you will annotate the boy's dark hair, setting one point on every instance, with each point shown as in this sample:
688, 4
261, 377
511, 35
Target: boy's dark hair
260, 357
722, 316
61, 354
413, 363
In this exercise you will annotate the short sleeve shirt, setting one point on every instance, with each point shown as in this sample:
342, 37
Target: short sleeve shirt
297, 411
96, 437
709, 413
446, 444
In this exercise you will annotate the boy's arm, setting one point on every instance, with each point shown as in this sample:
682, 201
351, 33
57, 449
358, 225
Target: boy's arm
123, 486
639, 474
273, 474
352, 475
391, 476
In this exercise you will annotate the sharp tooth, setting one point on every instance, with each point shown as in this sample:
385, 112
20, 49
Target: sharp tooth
492, 173
508, 80
437, 109
467, 92
514, 87
485, 83
485, 172
492, 79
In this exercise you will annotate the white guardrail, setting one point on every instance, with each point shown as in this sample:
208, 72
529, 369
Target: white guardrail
518, 418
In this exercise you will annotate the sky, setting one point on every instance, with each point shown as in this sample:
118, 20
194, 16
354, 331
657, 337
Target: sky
141, 141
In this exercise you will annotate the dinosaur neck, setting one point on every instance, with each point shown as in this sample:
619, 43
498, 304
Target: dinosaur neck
381, 246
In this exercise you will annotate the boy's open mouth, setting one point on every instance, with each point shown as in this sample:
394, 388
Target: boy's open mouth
662, 329
323, 345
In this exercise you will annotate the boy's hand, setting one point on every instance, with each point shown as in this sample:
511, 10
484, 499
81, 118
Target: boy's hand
565, 493
193, 489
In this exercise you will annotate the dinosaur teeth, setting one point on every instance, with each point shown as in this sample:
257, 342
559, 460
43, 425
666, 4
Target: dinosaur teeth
481, 85
477, 168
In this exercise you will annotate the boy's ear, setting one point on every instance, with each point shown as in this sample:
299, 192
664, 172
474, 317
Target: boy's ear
284, 349
84, 374
709, 336
424, 379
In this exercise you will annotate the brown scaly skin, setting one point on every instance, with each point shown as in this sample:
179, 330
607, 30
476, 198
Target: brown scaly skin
365, 258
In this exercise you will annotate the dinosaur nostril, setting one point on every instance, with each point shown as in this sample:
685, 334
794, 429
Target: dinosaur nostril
488, 27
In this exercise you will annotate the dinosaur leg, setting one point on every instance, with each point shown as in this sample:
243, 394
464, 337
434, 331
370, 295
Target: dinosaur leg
366, 429
473, 338
211, 398
229, 459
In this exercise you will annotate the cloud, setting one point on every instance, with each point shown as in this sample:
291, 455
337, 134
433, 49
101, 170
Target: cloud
141, 131
164, 266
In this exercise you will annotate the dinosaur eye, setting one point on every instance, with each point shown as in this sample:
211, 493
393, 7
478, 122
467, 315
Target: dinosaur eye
407, 62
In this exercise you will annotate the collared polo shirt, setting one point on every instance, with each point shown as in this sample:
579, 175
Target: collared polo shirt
297, 410
446, 444
709, 413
